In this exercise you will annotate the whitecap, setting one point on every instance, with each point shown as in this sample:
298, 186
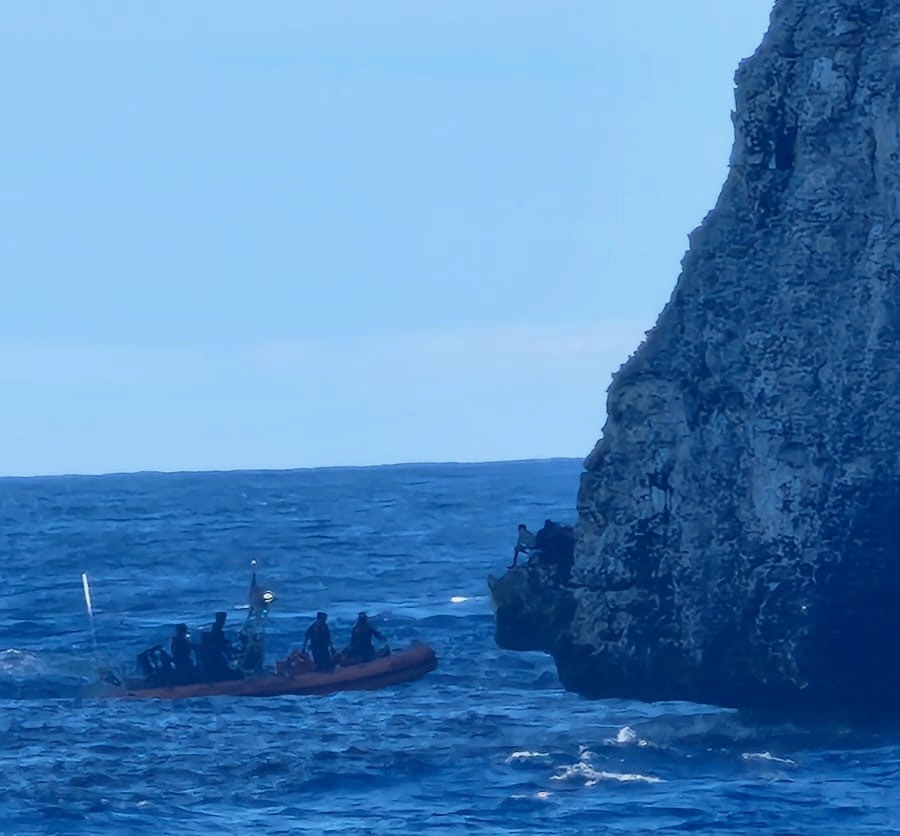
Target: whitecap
20, 662
767, 756
520, 757
540, 795
584, 773
627, 736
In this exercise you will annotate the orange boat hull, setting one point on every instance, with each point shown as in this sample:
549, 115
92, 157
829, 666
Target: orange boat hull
403, 666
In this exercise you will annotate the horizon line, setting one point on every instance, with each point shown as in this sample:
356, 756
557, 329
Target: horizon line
219, 471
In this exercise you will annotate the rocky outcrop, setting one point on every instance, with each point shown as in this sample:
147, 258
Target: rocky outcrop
738, 539
532, 602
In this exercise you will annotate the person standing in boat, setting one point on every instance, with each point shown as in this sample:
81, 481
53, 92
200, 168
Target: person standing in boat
220, 641
216, 652
361, 647
318, 640
180, 646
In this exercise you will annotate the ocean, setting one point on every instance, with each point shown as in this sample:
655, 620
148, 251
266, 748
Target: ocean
487, 743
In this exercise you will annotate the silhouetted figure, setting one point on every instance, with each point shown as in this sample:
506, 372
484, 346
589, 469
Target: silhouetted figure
527, 542
219, 639
361, 647
182, 656
318, 640
216, 652
206, 656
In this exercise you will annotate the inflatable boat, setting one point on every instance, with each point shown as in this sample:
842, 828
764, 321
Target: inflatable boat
398, 667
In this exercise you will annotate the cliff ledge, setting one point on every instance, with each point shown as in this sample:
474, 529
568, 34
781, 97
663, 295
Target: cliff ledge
739, 519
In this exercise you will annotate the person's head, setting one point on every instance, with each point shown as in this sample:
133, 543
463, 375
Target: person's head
220, 617
522, 526
363, 617
321, 616
181, 629
548, 523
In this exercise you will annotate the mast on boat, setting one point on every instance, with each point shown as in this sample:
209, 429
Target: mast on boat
251, 650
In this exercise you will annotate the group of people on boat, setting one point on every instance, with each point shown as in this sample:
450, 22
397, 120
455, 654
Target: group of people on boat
212, 660
317, 640
216, 658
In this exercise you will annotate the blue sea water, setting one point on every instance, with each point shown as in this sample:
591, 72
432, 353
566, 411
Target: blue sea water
488, 743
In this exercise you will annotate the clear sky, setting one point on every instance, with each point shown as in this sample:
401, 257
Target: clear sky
289, 234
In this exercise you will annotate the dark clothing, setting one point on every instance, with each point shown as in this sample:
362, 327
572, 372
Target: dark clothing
181, 656
318, 637
318, 634
207, 656
322, 657
181, 651
220, 641
361, 640
213, 658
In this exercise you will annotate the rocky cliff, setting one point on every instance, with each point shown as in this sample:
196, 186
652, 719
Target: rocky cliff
739, 519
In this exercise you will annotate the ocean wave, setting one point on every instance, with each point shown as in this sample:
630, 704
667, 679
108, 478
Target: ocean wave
767, 757
527, 757
627, 736
20, 663
25, 675
587, 775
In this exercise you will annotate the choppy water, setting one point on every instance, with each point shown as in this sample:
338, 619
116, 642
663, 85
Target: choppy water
488, 743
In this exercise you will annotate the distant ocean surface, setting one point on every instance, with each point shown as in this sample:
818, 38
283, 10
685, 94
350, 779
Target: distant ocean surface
488, 743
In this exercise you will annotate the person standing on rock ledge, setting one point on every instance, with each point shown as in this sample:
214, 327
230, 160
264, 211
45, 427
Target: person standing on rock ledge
525, 544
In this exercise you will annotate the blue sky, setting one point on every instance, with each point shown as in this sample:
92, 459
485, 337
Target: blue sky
291, 234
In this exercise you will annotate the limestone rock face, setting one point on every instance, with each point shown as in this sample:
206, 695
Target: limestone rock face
738, 539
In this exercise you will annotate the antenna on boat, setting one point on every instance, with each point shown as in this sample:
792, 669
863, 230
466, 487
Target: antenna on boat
90, 608
250, 657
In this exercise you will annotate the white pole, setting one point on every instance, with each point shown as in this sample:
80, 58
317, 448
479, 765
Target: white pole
90, 608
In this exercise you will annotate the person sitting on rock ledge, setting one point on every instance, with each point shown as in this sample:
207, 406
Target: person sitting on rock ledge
526, 543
